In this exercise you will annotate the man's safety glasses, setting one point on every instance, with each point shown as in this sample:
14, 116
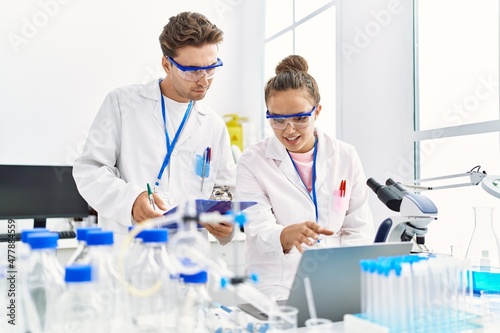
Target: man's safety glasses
193, 73
297, 120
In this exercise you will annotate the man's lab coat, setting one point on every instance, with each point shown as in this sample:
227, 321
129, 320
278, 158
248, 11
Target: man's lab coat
265, 174
126, 147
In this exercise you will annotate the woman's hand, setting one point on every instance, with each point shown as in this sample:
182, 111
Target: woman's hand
301, 233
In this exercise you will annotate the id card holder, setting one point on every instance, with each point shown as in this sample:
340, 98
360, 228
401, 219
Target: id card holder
202, 167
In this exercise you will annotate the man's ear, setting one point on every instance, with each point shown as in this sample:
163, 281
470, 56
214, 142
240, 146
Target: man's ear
166, 64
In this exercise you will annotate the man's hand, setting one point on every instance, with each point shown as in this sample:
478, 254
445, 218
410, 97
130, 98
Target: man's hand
301, 233
219, 230
142, 209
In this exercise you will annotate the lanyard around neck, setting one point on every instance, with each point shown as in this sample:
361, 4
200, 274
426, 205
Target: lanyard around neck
313, 190
171, 146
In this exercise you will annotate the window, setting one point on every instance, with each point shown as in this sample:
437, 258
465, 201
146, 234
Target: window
293, 27
457, 117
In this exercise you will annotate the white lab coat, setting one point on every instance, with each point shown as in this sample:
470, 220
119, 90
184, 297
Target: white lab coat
265, 174
126, 147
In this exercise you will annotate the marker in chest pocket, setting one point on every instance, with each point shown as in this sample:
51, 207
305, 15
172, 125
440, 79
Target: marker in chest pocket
340, 199
203, 163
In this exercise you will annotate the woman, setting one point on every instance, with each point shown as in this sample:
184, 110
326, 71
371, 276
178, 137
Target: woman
309, 188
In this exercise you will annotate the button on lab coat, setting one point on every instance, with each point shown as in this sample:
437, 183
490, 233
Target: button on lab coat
126, 147
265, 174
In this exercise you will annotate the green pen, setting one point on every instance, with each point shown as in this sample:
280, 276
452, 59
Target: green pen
150, 196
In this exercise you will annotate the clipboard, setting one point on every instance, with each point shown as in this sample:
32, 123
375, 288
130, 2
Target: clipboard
209, 206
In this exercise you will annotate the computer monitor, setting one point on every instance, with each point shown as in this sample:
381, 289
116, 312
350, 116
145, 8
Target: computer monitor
39, 192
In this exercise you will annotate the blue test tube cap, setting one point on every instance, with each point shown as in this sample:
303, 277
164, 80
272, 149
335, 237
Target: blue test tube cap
43, 240
254, 277
81, 233
240, 219
78, 273
139, 235
200, 277
26, 232
154, 235
99, 237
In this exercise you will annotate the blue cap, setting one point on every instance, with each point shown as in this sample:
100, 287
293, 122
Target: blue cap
99, 237
78, 273
155, 235
81, 233
139, 235
25, 233
200, 277
43, 240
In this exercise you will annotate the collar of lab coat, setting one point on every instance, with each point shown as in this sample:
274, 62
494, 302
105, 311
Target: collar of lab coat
324, 160
151, 90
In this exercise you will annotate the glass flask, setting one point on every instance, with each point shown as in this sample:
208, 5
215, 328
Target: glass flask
483, 251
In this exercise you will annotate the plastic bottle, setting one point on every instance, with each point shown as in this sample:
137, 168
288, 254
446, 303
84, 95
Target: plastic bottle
44, 273
155, 306
112, 299
75, 311
233, 123
133, 252
80, 254
196, 303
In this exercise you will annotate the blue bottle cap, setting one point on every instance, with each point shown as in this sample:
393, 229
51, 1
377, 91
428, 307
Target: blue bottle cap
139, 235
25, 233
81, 233
155, 235
43, 240
78, 273
99, 237
200, 277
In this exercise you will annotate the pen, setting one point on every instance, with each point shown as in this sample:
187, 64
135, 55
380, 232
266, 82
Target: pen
205, 159
150, 196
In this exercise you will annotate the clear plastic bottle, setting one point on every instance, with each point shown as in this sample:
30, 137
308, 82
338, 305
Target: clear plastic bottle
134, 250
44, 273
154, 307
80, 254
112, 299
75, 311
195, 303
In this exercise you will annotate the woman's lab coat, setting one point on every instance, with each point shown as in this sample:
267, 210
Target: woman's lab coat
265, 174
126, 147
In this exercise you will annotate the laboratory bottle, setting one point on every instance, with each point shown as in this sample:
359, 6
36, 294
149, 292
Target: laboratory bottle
483, 249
75, 309
154, 304
133, 251
80, 254
24, 248
196, 303
44, 274
112, 298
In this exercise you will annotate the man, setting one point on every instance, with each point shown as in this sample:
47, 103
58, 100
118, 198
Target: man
160, 134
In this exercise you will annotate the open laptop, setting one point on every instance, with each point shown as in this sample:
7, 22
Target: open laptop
335, 277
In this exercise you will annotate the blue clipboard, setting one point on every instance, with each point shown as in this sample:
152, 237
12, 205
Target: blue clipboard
209, 206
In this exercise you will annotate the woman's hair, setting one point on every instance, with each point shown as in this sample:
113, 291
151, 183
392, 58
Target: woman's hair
291, 74
188, 29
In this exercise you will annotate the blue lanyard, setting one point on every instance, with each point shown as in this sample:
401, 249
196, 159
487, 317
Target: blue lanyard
313, 191
171, 146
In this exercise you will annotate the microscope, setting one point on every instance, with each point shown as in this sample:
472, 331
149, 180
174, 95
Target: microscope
416, 212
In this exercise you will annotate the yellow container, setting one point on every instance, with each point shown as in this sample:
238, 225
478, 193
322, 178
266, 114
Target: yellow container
233, 123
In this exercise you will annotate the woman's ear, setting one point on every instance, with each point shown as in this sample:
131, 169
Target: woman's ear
318, 111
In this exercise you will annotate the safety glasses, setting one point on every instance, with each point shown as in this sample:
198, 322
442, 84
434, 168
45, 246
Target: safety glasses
193, 73
297, 120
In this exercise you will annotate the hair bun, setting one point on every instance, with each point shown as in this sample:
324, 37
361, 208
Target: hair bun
292, 63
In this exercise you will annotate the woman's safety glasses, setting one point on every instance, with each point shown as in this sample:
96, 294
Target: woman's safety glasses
193, 73
297, 120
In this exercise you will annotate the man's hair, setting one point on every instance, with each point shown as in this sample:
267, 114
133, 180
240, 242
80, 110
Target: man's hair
188, 29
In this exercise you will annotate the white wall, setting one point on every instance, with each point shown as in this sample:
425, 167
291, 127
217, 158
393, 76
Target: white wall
377, 89
60, 58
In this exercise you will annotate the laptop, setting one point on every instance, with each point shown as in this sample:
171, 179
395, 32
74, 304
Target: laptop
335, 277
